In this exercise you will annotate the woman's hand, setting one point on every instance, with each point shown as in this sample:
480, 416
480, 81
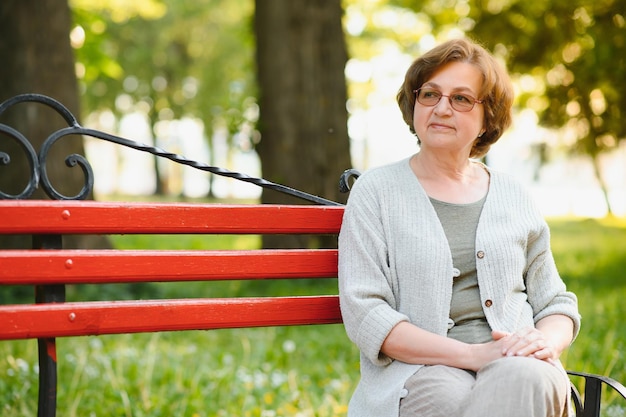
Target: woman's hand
551, 336
483, 353
529, 342
411, 344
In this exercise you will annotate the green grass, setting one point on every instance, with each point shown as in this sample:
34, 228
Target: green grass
591, 256
252, 372
287, 371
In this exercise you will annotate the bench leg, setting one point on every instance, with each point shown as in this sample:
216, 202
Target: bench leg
48, 355
593, 393
47, 378
47, 406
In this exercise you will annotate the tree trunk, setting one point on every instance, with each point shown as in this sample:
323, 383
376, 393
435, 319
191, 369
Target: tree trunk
301, 56
597, 169
37, 57
161, 187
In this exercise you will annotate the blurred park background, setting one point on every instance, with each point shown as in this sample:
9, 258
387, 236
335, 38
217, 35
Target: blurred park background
296, 91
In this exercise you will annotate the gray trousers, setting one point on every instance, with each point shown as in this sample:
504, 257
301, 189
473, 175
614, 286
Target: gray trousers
508, 387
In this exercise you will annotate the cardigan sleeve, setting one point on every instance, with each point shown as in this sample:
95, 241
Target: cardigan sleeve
367, 301
517, 273
546, 290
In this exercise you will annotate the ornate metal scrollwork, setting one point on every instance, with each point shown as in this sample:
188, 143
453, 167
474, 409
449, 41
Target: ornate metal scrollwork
71, 161
31, 156
38, 162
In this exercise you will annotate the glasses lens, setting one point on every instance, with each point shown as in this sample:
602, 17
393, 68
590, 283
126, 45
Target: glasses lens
428, 97
459, 102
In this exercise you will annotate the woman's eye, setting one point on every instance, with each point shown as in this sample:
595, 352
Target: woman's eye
461, 99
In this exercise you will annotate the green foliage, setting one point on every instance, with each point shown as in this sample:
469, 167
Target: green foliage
167, 58
292, 371
99, 67
576, 50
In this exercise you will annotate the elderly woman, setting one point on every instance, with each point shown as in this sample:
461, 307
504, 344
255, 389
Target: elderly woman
446, 278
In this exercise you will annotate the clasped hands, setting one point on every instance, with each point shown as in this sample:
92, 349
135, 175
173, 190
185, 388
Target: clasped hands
527, 342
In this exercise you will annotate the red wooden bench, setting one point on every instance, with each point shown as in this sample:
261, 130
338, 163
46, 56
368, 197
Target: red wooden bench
49, 268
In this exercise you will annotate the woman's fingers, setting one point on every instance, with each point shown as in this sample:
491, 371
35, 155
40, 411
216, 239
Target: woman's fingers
525, 342
528, 342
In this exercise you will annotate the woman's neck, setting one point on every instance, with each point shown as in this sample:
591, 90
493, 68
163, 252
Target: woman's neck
451, 180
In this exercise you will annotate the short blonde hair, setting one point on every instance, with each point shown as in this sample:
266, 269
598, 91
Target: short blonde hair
496, 93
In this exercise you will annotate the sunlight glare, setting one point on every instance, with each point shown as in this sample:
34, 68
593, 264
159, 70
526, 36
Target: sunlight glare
77, 37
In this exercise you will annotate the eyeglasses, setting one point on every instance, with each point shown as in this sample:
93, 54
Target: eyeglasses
459, 102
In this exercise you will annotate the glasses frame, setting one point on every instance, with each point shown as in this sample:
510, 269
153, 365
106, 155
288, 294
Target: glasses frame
452, 104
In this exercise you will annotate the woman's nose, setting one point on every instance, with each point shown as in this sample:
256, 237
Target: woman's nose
444, 106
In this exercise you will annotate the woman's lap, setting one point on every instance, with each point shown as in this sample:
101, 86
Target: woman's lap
509, 386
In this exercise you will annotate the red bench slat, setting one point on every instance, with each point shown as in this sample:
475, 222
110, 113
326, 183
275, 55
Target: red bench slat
32, 267
114, 317
91, 217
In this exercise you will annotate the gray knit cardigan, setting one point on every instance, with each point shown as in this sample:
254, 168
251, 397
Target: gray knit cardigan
395, 265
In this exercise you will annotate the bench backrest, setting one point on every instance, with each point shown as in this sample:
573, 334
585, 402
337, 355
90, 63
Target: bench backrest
53, 268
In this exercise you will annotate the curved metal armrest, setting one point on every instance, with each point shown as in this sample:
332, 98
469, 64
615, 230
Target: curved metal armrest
593, 392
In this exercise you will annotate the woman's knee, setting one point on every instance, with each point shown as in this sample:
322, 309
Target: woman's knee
436, 391
527, 374
530, 386
525, 370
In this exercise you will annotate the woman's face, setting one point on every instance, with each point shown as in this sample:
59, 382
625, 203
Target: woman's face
441, 127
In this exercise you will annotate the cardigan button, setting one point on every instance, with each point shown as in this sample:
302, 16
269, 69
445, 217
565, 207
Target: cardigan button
456, 272
488, 303
480, 254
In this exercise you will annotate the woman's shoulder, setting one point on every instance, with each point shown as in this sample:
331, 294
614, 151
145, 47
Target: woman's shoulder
510, 191
506, 181
385, 174
382, 185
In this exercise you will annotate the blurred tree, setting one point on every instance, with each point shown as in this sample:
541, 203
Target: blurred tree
576, 52
37, 58
104, 31
301, 56
169, 59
